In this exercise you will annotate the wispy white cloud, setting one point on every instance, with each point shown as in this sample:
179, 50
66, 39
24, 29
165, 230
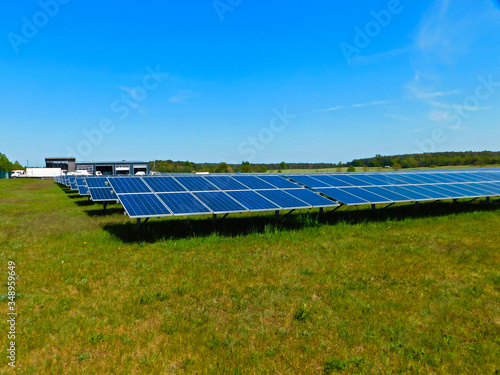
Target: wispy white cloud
435, 94
358, 105
184, 96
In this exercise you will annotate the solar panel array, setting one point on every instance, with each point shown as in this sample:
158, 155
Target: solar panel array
184, 195
201, 195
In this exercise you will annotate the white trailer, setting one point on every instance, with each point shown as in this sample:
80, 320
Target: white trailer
43, 172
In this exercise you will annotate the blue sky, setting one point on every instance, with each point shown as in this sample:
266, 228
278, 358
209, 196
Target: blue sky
231, 80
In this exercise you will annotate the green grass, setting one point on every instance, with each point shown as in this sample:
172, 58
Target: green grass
381, 169
390, 291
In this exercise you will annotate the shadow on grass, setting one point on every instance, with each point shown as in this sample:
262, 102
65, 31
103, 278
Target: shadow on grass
242, 225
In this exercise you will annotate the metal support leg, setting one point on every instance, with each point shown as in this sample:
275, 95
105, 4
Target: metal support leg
138, 224
277, 215
455, 201
321, 211
488, 200
373, 207
104, 205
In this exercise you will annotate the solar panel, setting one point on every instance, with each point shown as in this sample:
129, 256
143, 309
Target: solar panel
220, 202
279, 182
336, 181
430, 191
412, 192
94, 182
283, 199
311, 198
310, 181
342, 196
367, 195
83, 190
374, 180
102, 194
143, 205
389, 193
226, 183
253, 201
183, 204
196, 183
124, 185
253, 182
163, 184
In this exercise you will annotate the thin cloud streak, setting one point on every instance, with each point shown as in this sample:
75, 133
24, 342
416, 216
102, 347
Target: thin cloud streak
359, 105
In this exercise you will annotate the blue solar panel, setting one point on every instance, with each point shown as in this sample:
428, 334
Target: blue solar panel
279, 182
83, 190
437, 178
283, 199
253, 182
430, 191
125, 185
414, 178
197, 183
326, 179
373, 179
226, 183
97, 182
338, 181
413, 192
455, 177
389, 193
253, 201
183, 204
310, 181
143, 205
354, 181
102, 194
365, 194
311, 198
494, 186
163, 184
462, 190
479, 188
220, 202
342, 196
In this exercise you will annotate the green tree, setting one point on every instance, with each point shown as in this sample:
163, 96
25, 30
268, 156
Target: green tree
351, 168
222, 168
5, 164
263, 169
283, 165
245, 167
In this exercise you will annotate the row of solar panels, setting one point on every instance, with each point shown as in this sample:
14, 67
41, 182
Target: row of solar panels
199, 195
189, 195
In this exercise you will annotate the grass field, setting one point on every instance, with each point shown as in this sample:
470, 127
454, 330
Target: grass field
390, 291
380, 169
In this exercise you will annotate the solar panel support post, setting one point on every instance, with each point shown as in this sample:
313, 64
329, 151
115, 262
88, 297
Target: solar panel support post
104, 205
488, 200
455, 200
139, 224
417, 204
373, 207
321, 211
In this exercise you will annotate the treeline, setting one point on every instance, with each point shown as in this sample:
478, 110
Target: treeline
7, 166
170, 166
429, 160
